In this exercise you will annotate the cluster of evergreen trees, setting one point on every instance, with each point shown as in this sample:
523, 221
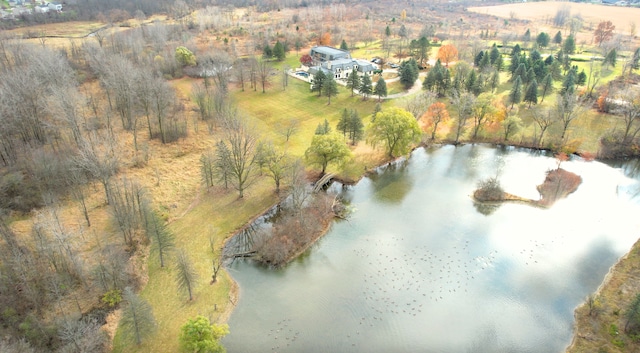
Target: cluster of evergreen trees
278, 51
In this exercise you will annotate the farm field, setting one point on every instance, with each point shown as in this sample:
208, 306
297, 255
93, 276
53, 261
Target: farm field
542, 12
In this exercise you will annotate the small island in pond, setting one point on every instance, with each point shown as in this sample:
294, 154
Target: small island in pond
559, 183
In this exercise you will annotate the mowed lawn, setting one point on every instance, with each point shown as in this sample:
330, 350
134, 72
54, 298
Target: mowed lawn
274, 110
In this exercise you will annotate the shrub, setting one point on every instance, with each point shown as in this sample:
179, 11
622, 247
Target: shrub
489, 190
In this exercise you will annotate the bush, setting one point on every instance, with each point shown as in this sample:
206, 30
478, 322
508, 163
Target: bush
489, 190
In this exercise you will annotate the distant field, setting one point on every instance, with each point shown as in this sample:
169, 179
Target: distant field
66, 29
540, 11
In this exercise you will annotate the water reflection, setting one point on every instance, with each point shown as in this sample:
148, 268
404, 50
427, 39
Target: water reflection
391, 183
425, 271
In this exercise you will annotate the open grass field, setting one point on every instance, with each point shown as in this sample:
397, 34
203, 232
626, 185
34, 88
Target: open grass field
76, 29
541, 12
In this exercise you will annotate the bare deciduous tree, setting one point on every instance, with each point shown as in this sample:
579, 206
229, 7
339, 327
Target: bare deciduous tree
239, 156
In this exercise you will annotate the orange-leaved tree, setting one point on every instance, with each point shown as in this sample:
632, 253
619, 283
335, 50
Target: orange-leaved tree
447, 53
604, 32
437, 113
325, 39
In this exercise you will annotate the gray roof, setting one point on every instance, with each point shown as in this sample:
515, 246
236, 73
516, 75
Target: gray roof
328, 50
347, 65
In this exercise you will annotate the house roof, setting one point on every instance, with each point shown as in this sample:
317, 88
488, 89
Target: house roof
328, 50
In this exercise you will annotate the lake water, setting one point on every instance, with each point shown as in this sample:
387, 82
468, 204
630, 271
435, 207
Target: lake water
419, 268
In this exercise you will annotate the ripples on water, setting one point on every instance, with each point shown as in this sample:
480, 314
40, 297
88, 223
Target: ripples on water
418, 268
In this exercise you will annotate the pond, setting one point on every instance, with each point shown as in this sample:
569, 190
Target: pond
420, 267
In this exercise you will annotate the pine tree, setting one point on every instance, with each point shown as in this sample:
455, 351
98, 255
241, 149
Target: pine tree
569, 45
353, 81
267, 52
318, 82
343, 123
515, 96
582, 78
558, 38
366, 87
531, 95
356, 127
323, 128
494, 54
635, 60
470, 81
485, 62
381, 89
569, 83
527, 35
547, 85
278, 51
344, 45
330, 88
521, 71
408, 73
495, 80
478, 58
387, 31
611, 58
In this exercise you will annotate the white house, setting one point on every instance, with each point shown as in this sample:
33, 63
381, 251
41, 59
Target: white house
338, 63
41, 9
55, 6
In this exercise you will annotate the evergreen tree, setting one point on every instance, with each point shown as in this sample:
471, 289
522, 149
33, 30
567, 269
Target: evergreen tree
543, 39
531, 75
495, 80
323, 128
366, 87
521, 71
353, 81
582, 78
569, 45
344, 45
408, 73
387, 31
527, 36
278, 51
330, 88
513, 66
547, 85
635, 60
531, 95
423, 50
343, 123
533, 57
515, 96
558, 38
267, 52
318, 82
611, 58
356, 127
478, 58
381, 89
516, 50
569, 83
548, 60
499, 64
494, 54
485, 62
470, 81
